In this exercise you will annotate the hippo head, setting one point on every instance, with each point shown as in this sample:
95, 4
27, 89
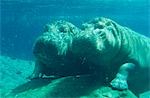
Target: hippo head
96, 38
55, 41
52, 49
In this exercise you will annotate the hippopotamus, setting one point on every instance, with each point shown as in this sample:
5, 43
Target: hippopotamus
53, 57
100, 46
119, 49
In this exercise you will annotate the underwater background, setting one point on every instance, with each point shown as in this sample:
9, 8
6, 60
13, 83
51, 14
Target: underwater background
22, 21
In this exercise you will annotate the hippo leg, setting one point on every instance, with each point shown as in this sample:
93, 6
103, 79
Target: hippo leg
120, 81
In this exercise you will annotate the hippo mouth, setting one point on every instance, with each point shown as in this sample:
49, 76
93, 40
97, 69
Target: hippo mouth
73, 68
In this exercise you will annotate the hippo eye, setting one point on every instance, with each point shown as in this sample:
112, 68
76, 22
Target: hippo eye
99, 25
108, 23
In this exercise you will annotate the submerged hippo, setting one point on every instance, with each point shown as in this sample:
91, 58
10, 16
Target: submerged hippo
52, 52
101, 45
107, 44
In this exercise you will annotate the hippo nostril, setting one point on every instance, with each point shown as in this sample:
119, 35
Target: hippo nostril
62, 29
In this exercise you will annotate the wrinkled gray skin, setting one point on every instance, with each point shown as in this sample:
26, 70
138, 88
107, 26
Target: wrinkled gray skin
107, 44
51, 47
52, 52
101, 43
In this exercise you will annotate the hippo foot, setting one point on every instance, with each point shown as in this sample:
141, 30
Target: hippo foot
119, 84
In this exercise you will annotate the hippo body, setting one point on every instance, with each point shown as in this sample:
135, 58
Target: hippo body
119, 49
101, 46
52, 52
